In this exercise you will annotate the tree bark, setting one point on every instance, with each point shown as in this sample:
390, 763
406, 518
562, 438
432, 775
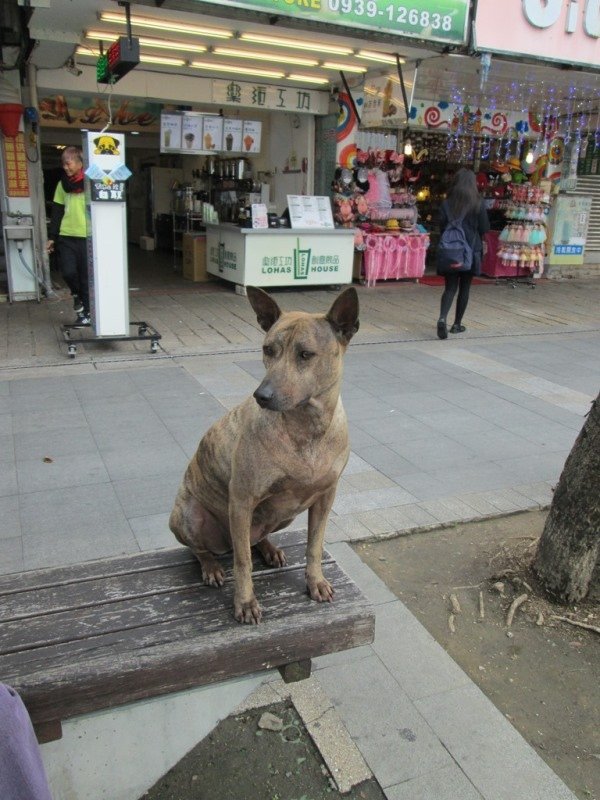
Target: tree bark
569, 547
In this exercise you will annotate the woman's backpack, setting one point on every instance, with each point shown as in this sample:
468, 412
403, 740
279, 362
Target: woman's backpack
454, 253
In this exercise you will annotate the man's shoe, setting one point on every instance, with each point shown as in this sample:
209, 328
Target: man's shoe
442, 330
457, 328
77, 304
83, 319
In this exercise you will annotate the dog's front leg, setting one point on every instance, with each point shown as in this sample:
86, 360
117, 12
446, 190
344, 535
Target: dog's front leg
245, 604
318, 587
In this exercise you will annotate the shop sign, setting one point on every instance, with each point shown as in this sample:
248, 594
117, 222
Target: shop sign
300, 263
554, 30
269, 97
433, 20
78, 111
383, 102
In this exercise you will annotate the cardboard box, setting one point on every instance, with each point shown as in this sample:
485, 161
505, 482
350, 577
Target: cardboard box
147, 243
194, 257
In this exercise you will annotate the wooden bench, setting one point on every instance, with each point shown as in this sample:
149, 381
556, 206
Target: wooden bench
96, 635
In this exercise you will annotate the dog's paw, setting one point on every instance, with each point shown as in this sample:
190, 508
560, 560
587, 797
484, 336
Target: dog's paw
274, 556
250, 612
213, 576
320, 589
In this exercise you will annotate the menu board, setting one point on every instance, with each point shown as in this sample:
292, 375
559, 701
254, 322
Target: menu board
213, 133
251, 133
170, 132
191, 129
260, 218
310, 211
232, 134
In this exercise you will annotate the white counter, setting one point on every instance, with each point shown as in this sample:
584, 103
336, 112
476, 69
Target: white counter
280, 256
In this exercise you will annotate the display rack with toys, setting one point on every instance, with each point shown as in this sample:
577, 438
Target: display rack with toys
377, 199
520, 247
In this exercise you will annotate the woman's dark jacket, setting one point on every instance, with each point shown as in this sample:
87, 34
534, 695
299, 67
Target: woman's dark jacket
475, 225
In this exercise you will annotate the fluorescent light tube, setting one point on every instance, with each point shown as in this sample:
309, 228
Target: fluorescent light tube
307, 78
251, 54
164, 44
337, 50
235, 69
383, 58
342, 67
166, 25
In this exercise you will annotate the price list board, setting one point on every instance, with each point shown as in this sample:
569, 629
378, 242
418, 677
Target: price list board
15, 159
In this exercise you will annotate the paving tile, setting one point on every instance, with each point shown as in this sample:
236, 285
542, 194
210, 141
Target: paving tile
448, 509
386, 460
61, 418
8, 480
466, 722
372, 499
394, 739
146, 459
355, 464
541, 493
449, 783
77, 469
408, 517
148, 495
11, 555
10, 522
152, 532
422, 669
7, 448
54, 443
370, 479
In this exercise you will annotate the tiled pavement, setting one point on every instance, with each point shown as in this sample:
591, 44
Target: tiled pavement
92, 451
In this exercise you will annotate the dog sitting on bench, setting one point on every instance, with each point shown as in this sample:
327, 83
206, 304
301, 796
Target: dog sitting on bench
277, 454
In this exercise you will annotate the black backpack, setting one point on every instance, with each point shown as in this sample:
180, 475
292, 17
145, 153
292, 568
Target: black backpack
454, 253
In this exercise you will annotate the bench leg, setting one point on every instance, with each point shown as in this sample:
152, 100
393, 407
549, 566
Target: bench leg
48, 731
296, 671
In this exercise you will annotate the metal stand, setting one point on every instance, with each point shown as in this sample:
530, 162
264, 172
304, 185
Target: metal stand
513, 280
144, 331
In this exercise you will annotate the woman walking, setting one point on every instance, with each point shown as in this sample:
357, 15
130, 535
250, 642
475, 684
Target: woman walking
465, 204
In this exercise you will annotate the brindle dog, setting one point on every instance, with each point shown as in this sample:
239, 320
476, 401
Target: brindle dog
277, 454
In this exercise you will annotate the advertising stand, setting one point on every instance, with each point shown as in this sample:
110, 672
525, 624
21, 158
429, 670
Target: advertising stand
106, 175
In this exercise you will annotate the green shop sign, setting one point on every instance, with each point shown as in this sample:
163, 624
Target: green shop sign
434, 20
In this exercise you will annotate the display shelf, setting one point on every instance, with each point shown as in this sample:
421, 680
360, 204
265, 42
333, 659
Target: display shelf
394, 256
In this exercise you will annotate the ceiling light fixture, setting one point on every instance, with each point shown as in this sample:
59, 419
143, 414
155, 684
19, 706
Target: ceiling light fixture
169, 62
342, 67
163, 44
230, 51
337, 50
307, 78
383, 58
235, 69
166, 25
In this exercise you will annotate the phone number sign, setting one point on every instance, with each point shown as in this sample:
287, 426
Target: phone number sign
434, 20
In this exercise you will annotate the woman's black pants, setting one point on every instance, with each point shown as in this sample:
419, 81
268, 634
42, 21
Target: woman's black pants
462, 282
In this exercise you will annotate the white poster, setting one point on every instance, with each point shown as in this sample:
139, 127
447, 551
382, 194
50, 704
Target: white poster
213, 133
251, 134
170, 132
232, 135
191, 129
383, 105
309, 211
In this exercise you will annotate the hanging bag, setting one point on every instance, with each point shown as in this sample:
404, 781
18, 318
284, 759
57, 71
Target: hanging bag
454, 253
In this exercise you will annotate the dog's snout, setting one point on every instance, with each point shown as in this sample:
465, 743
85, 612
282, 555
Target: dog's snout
265, 395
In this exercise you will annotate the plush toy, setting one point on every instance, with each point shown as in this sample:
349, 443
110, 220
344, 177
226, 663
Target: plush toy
343, 212
361, 207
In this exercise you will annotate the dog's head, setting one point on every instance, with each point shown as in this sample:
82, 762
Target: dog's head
302, 352
106, 146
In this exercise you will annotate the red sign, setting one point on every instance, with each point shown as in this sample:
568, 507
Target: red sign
17, 181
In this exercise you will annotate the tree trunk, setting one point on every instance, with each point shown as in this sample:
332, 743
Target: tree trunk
569, 547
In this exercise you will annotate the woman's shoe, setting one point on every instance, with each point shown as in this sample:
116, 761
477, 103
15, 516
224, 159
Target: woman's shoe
442, 330
457, 328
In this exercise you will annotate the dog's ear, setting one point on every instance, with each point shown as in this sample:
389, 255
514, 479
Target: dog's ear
343, 314
266, 309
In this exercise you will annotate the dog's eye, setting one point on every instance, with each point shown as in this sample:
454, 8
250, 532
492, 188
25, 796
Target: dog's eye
306, 355
267, 350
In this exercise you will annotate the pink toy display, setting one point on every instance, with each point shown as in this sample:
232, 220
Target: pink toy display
393, 256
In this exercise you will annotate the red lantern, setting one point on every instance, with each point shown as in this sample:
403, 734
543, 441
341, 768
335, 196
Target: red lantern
10, 117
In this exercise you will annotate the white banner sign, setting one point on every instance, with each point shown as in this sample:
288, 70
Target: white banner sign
261, 95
